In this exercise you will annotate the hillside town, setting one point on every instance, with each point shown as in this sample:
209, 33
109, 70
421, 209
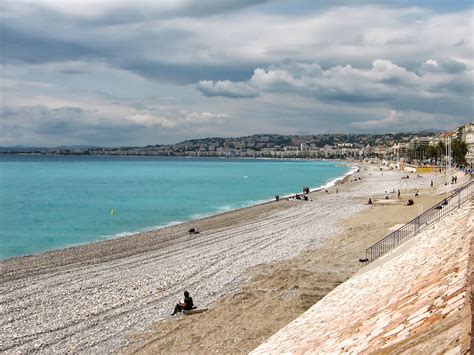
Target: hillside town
420, 148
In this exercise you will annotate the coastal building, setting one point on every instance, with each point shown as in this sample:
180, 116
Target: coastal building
418, 142
467, 136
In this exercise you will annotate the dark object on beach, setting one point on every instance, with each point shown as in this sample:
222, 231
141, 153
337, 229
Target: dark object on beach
416, 193
410, 202
193, 231
326, 191
370, 201
298, 197
305, 198
277, 197
431, 183
363, 260
186, 305
398, 194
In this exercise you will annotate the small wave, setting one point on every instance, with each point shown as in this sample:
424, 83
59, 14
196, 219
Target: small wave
340, 178
147, 229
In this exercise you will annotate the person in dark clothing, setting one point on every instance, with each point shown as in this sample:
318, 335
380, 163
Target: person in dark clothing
186, 305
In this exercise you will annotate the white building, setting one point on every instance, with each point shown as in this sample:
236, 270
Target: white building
468, 138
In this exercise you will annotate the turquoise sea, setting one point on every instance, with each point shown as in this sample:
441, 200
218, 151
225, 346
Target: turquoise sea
53, 202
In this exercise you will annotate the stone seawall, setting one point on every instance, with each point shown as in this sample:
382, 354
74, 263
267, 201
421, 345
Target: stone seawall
415, 299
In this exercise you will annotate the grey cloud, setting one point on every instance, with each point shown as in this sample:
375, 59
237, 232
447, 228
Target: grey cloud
188, 73
226, 88
136, 12
32, 48
177, 45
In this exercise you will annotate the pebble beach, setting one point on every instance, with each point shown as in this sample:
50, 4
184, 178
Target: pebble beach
97, 297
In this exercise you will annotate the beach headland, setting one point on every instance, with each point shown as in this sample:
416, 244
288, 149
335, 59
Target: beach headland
256, 268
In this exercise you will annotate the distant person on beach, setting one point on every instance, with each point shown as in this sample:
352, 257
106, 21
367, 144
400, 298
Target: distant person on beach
416, 193
386, 195
431, 184
185, 305
277, 198
398, 194
193, 231
337, 191
410, 202
370, 202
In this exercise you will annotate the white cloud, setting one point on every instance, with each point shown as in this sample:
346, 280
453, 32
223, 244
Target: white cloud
384, 81
205, 117
148, 120
392, 120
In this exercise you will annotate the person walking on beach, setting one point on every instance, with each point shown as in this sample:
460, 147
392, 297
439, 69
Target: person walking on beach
186, 305
398, 194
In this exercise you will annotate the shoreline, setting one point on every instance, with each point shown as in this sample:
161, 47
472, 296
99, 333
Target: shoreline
94, 297
151, 229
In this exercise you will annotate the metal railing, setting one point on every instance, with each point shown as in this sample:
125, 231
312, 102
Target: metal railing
416, 225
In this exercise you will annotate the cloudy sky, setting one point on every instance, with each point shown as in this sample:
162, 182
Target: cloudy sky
138, 72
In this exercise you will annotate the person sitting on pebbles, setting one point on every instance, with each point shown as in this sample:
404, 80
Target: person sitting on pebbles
185, 305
